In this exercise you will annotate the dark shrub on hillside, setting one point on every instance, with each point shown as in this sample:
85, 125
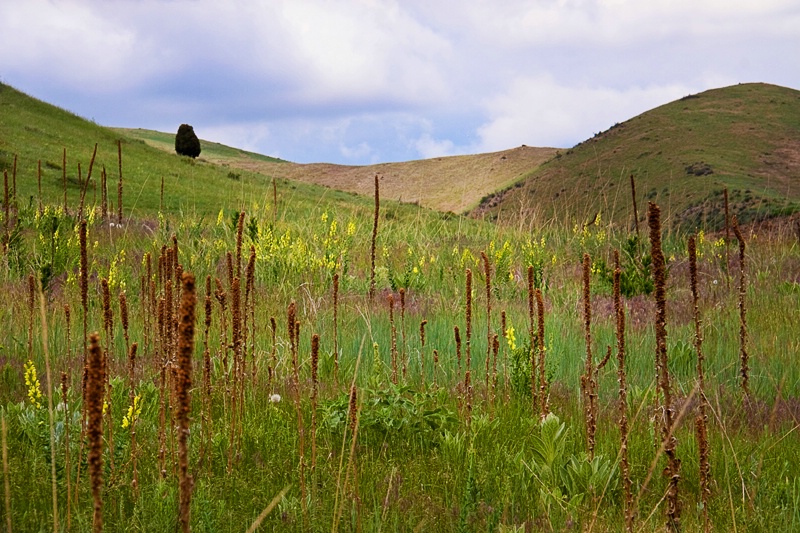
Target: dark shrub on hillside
699, 169
186, 142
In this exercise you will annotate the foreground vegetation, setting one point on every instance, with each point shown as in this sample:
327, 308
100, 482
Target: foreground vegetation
371, 426
391, 419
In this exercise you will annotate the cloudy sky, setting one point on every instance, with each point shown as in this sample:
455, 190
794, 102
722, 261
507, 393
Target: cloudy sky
366, 81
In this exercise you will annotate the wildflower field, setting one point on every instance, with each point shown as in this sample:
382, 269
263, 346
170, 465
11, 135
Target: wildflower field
289, 359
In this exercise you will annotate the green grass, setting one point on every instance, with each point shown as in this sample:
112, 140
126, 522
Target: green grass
210, 150
746, 133
419, 463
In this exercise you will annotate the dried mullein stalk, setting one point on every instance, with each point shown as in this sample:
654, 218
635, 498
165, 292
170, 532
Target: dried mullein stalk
314, 398
744, 358
404, 355
543, 403
182, 389
668, 438
532, 339
701, 421
95, 388
487, 271
373, 242
390, 303
468, 347
587, 388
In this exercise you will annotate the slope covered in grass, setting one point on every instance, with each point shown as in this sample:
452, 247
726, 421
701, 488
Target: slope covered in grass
682, 155
455, 183
33, 131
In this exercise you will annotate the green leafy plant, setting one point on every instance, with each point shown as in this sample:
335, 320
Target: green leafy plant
394, 412
635, 276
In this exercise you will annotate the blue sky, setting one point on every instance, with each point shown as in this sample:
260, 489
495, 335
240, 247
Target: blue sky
359, 82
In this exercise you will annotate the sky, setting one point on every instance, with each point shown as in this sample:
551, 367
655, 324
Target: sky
368, 81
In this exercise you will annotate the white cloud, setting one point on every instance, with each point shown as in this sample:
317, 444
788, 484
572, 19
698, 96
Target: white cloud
251, 137
428, 147
356, 81
541, 112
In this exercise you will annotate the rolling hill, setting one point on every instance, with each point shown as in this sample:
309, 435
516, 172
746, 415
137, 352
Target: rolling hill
455, 183
745, 138
682, 155
33, 132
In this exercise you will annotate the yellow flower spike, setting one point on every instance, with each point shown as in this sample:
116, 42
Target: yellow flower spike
220, 217
511, 339
133, 413
34, 387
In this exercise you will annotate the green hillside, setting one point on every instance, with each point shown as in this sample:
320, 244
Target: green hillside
34, 131
454, 183
682, 155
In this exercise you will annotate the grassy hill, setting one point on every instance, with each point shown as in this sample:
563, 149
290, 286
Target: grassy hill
455, 183
35, 132
682, 155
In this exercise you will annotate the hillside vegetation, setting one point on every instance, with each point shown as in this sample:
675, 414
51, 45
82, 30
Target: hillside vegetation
455, 183
682, 155
36, 132
331, 363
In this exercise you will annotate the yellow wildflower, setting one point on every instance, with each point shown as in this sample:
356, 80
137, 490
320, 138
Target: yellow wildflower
32, 382
511, 339
134, 410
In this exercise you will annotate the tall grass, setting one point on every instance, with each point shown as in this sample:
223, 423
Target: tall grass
370, 445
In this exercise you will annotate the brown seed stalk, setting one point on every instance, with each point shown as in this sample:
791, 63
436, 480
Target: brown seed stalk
468, 347
543, 385
206, 420
239, 235
314, 398
95, 388
701, 421
457, 335
236, 321
373, 242
132, 421
635, 208
403, 330
668, 438
487, 271
123, 316
532, 339
743, 355
390, 303
422, 350
293, 329
182, 390
587, 379
274, 355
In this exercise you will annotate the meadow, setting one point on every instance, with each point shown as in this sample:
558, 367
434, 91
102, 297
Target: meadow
405, 370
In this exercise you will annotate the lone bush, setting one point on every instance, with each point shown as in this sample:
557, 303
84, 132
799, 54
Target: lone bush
186, 142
